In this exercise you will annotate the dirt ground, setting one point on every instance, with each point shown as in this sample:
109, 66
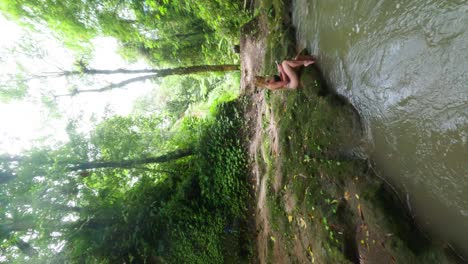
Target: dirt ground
252, 57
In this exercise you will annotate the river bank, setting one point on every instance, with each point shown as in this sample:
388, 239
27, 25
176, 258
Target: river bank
316, 199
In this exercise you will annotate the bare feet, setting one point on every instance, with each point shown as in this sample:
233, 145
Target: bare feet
308, 62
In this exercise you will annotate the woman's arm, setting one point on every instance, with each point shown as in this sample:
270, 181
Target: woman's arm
277, 85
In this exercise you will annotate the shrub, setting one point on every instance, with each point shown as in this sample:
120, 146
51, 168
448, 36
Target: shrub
223, 161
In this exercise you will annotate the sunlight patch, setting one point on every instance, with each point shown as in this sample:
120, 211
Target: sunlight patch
71, 217
57, 247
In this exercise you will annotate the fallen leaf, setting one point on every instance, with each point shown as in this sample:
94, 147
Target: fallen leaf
302, 223
290, 218
311, 254
347, 196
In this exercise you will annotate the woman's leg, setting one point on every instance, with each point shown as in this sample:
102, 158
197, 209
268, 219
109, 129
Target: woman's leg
289, 67
298, 63
292, 75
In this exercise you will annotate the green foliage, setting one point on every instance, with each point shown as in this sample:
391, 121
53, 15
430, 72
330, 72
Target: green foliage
222, 174
197, 240
181, 211
130, 137
17, 90
8, 94
165, 32
193, 95
213, 194
228, 18
182, 219
187, 132
69, 19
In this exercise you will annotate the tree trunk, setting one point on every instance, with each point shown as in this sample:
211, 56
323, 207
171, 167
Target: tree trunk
130, 163
25, 247
6, 176
159, 72
156, 73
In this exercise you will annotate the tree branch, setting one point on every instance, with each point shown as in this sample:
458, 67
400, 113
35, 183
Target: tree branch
110, 86
25, 247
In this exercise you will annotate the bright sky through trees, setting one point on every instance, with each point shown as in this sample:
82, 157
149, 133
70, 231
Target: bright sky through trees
26, 120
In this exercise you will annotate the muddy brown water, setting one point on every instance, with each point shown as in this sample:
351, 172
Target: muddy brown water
404, 66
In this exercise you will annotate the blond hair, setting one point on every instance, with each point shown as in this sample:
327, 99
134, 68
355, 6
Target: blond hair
261, 81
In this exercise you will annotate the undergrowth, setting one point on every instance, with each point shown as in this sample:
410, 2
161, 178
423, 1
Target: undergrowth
212, 228
222, 170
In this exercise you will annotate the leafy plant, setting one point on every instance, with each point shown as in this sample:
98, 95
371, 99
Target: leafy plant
222, 173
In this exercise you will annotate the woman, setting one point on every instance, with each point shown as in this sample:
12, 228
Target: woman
288, 77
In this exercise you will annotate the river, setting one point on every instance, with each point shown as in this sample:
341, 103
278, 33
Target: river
404, 66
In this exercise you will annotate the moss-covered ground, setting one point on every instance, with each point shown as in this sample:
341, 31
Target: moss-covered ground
317, 200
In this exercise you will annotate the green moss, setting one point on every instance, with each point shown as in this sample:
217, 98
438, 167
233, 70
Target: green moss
316, 130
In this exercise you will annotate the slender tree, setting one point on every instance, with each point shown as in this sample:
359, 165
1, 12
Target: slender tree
156, 73
171, 156
141, 76
5, 176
